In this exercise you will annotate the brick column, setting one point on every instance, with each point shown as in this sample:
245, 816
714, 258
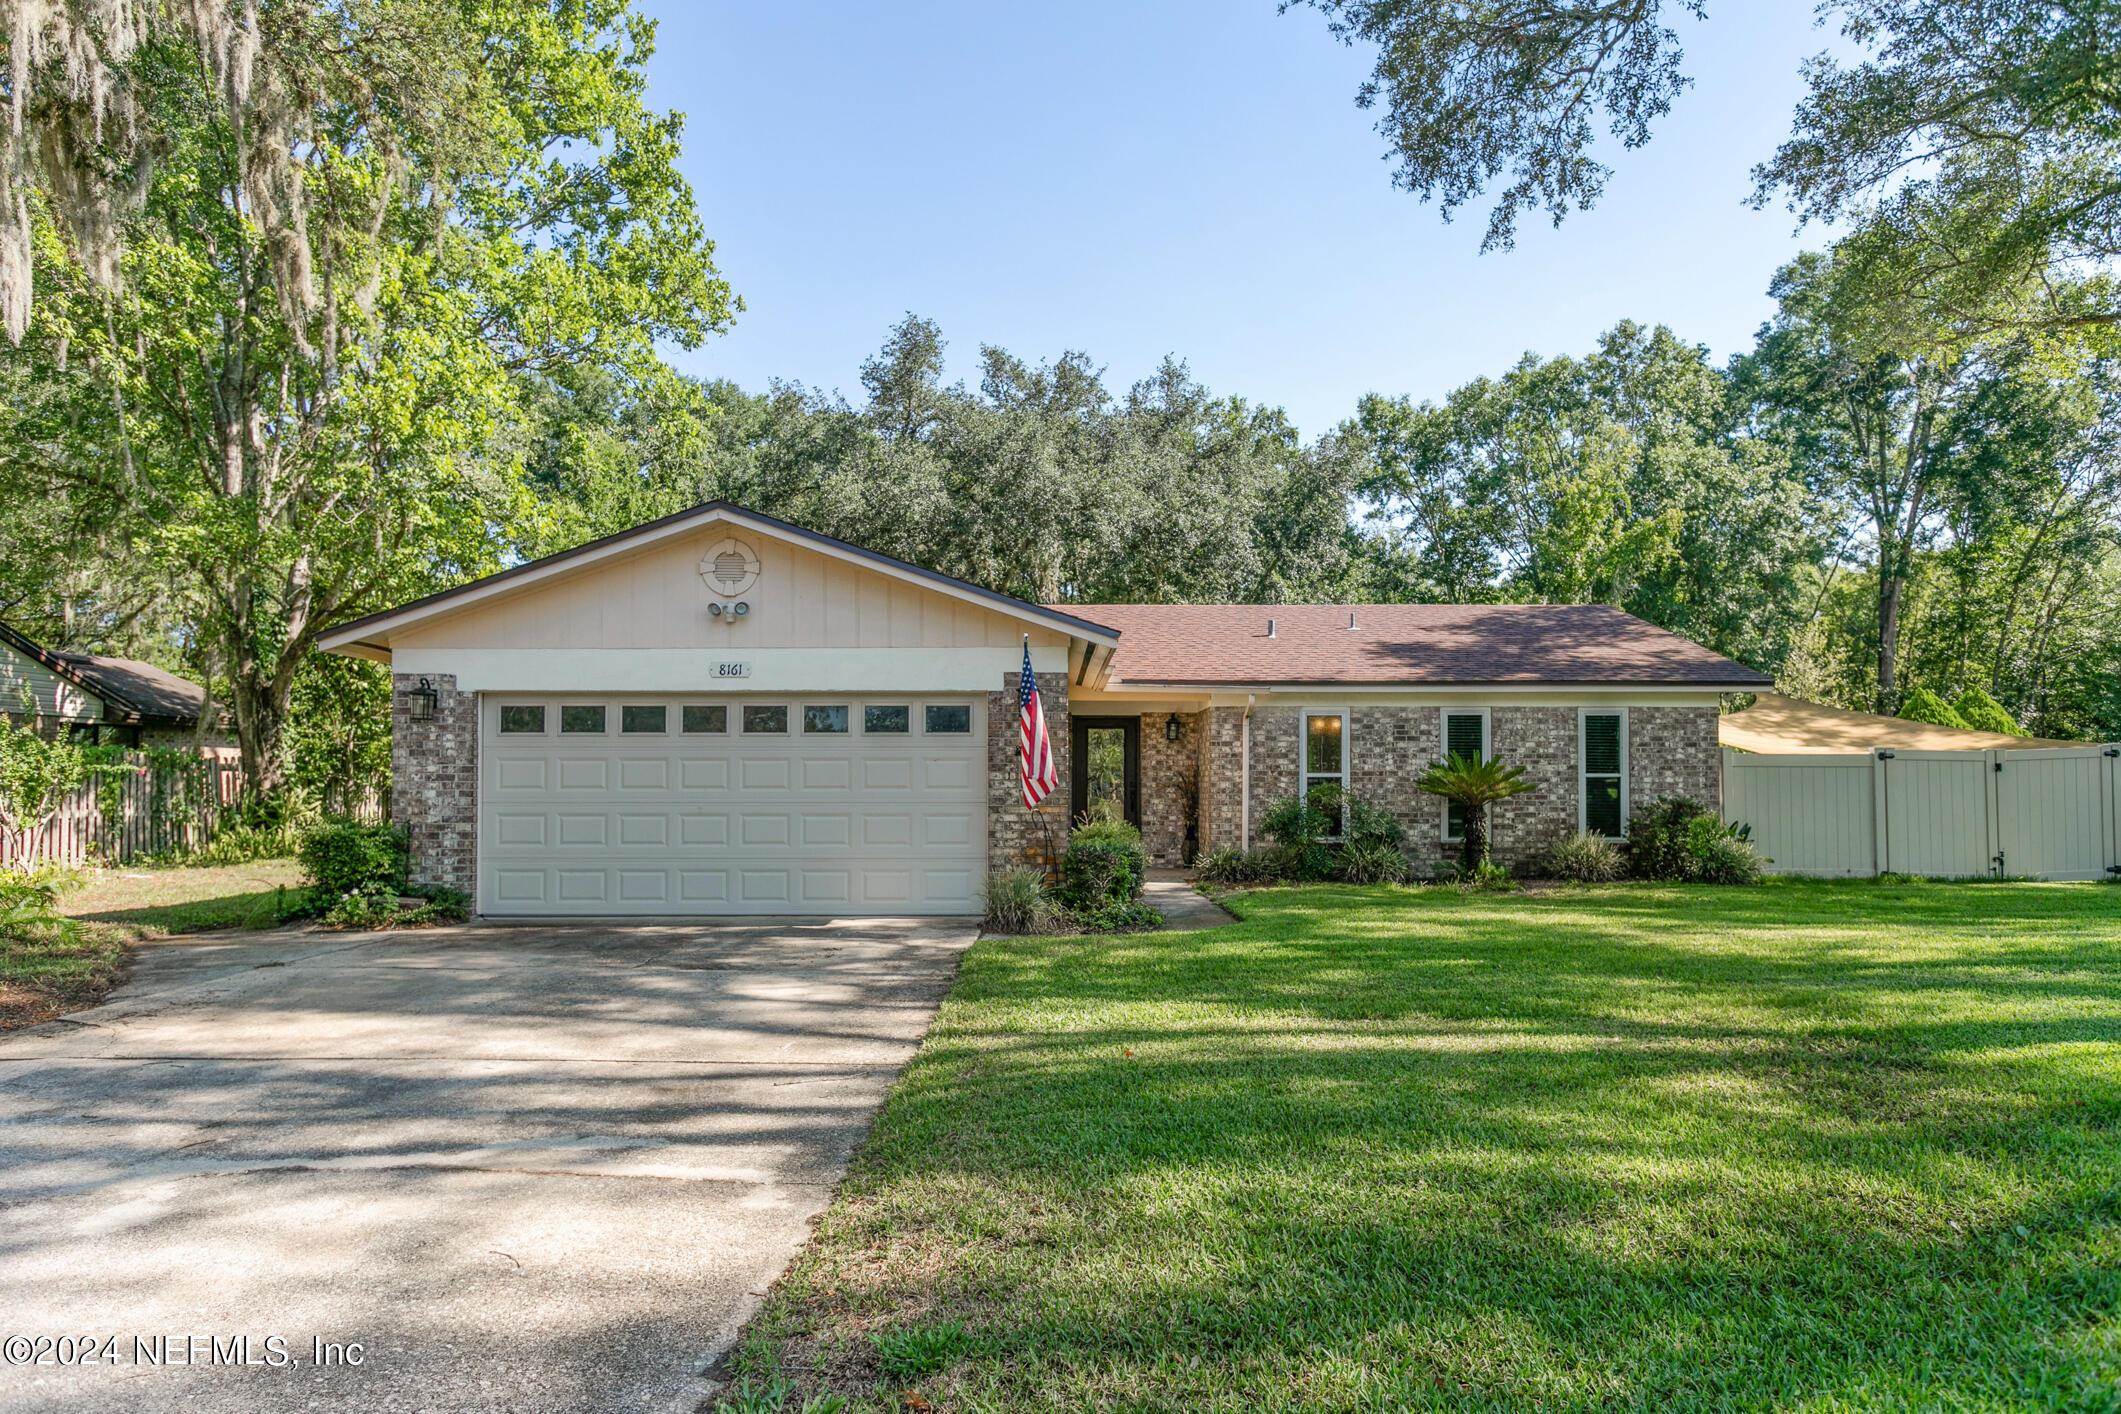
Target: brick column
434, 783
1017, 837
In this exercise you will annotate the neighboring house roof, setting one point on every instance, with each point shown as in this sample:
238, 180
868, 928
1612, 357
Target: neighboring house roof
1777, 725
133, 692
361, 633
1422, 644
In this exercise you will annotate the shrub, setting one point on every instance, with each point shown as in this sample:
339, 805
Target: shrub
1586, 858
1485, 877
369, 906
1922, 705
1984, 713
1372, 862
1657, 837
1473, 783
1296, 822
1719, 854
1016, 902
1226, 865
1104, 862
1371, 826
344, 856
29, 899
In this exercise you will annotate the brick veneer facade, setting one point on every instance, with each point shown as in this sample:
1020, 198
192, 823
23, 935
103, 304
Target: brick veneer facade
1671, 751
1016, 836
434, 783
1166, 768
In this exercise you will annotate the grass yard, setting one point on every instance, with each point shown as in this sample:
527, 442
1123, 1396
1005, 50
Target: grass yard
1838, 1146
45, 972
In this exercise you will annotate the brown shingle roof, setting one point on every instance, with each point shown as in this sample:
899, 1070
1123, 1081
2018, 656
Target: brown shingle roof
1406, 643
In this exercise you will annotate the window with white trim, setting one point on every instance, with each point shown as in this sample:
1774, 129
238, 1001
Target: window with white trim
1465, 733
1602, 767
1325, 760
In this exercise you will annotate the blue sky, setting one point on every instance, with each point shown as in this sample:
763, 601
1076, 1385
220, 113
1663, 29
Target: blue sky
1186, 176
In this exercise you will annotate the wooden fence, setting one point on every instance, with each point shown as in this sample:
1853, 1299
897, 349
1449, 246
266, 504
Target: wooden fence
2050, 813
163, 810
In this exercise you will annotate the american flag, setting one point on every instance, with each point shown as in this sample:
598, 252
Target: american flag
1035, 756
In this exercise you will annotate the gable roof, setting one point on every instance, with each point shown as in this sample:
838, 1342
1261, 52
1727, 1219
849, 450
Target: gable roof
362, 633
132, 692
1407, 644
1793, 726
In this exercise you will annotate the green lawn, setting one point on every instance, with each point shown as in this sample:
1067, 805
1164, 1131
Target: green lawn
1837, 1146
46, 971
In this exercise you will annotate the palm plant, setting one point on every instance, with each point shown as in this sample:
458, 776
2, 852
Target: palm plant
1474, 783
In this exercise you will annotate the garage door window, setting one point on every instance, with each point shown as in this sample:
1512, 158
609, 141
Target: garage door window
701, 717
954, 719
518, 718
758, 720
825, 721
582, 719
644, 719
886, 721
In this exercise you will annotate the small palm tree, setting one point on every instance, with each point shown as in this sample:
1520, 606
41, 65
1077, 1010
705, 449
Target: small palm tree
1474, 783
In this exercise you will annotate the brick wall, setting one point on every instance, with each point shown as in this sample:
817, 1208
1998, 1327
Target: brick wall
1671, 751
1016, 836
434, 783
1165, 769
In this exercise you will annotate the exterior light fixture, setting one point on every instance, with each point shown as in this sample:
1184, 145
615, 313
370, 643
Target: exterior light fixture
1173, 728
421, 701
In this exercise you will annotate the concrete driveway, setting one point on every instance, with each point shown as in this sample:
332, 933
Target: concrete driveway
521, 1167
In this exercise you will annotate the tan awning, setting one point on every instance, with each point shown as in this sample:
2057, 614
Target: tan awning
1777, 725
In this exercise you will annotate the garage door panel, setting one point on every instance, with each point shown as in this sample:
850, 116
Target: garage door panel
644, 773
639, 829
519, 827
520, 775
703, 829
707, 823
577, 773
711, 773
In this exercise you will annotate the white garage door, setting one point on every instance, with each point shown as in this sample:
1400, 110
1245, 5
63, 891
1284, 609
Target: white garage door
601, 806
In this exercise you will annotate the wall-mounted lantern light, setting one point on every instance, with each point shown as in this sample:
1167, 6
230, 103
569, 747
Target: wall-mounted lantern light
1173, 728
421, 701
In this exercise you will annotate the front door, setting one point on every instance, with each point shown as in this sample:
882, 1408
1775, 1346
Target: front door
1106, 782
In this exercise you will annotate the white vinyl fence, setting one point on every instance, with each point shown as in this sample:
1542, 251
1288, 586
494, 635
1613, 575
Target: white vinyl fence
2047, 814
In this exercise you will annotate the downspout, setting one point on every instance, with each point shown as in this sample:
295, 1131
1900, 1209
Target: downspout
1244, 788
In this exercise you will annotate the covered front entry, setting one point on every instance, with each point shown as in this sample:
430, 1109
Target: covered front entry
595, 805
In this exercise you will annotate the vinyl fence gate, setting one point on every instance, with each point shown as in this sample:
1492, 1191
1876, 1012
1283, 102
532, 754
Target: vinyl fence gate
2049, 813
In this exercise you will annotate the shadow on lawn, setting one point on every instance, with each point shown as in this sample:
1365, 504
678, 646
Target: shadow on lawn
1405, 1155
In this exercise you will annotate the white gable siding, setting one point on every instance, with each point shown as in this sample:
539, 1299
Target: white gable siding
55, 697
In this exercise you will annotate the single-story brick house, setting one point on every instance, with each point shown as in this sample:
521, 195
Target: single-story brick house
720, 712
100, 700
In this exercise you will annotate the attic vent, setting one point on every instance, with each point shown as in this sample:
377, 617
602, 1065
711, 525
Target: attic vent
1351, 621
1270, 628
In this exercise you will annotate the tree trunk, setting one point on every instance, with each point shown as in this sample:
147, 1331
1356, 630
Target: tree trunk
1474, 851
1891, 590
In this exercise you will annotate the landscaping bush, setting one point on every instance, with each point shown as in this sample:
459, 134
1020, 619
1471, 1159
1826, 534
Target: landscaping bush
1720, 854
29, 899
1296, 822
1104, 863
1586, 858
1373, 862
1485, 877
343, 857
1657, 837
1227, 865
1016, 902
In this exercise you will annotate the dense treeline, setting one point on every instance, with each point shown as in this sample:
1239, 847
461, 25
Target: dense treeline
307, 315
